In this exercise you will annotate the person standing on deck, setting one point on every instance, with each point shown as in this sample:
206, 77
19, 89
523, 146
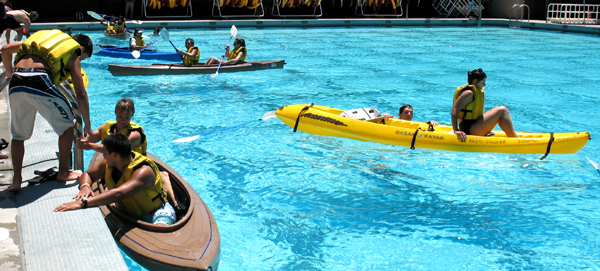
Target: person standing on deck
38, 67
14, 19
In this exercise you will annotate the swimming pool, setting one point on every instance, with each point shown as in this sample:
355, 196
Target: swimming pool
290, 201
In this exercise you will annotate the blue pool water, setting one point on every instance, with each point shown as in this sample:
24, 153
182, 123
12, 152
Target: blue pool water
296, 201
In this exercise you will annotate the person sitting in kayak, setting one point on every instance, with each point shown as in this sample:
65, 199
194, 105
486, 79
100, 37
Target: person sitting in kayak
110, 24
134, 184
238, 55
192, 55
120, 25
124, 111
467, 111
406, 113
136, 43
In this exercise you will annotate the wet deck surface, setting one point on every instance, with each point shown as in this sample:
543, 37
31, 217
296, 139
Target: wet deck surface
32, 236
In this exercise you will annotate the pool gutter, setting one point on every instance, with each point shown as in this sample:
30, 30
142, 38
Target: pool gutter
532, 24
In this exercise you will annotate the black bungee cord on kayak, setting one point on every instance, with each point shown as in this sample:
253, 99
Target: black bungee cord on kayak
549, 146
298, 119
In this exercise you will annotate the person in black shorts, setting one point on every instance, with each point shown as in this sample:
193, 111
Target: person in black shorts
468, 117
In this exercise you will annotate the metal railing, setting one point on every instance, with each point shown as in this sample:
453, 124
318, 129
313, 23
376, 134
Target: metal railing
519, 11
573, 13
458, 8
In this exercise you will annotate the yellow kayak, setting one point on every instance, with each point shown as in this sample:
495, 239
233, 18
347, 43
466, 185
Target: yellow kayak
322, 120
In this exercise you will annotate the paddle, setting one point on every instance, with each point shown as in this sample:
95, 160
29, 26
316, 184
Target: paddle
594, 164
98, 17
233, 34
164, 34
137, 54
127, 20
266, 116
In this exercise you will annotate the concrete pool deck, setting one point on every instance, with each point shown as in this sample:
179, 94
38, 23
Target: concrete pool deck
32, 237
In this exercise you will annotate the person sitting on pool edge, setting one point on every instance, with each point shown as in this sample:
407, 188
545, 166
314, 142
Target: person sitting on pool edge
134, 184
136, 43
192, 56
406, 113
467, 111
238, 55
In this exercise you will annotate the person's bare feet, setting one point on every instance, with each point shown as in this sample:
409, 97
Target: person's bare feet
16, 186
67, 176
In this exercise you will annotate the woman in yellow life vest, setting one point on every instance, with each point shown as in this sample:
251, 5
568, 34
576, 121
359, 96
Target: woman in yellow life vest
110, 28
237, 55
124, 111
192, 55
134, 182
468, 117
120, 26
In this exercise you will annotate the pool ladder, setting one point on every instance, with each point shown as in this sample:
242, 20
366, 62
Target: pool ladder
519, 11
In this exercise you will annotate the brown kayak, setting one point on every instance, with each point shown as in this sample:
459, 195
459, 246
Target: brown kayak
160, 69
192, 243
120, 36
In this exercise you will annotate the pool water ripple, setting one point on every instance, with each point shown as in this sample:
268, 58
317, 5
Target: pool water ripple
291, 201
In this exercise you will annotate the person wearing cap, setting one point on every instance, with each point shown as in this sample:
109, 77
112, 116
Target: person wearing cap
136, 43
42, 62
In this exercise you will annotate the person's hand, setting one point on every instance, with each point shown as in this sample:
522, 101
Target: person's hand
83, 144
179, 51
432, 123
386, 115
73, 205
462, 137
87, 131
227, 46
85, 192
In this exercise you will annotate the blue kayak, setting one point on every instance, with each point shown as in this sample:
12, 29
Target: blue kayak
124, 52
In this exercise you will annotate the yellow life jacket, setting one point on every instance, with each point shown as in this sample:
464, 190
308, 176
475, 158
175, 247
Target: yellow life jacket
139, 41
235, 52
84, 76
474, 109
109, 26
120, 29
149, 199
191, 60
111, 126
54, 47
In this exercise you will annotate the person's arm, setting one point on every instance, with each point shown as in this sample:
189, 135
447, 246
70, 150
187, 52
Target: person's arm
25, 30
190, 54
133, 45
465, 98
74, 66
7, 52
85, 180
88, 143
235, 60
135, 138
141, 178
387, 116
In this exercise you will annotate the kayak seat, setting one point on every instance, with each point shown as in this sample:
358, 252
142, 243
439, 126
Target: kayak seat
362, 114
